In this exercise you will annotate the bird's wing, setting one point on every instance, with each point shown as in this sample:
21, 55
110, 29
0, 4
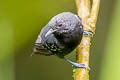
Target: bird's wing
39, 49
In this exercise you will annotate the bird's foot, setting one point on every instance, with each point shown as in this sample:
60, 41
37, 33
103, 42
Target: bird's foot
87, 33
77, 65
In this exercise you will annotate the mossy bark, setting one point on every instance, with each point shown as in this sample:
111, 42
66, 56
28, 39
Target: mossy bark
89, 18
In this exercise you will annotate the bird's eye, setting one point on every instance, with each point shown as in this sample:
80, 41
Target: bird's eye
59, 25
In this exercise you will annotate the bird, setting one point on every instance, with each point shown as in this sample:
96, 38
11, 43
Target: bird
61, 36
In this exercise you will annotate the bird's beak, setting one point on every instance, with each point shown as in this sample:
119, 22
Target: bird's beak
49, 32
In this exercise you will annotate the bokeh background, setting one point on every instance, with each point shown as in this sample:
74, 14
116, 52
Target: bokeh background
21, 22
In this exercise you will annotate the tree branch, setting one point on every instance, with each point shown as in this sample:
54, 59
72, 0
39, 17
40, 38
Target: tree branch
94, 14
88, 20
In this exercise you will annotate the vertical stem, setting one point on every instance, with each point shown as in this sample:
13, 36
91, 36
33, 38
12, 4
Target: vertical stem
83, 7
83, 57
94, 14
88, 20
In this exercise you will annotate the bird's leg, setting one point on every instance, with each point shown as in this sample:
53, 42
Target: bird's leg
77, 65
87, 33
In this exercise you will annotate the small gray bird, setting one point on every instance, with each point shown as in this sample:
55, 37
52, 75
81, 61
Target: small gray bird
60, 36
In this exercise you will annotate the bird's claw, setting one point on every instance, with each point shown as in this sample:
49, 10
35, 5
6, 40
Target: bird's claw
88, 33
77, 65
81, 66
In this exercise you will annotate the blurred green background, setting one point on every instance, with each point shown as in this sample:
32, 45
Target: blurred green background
21, 22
